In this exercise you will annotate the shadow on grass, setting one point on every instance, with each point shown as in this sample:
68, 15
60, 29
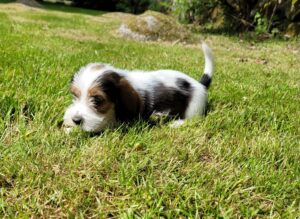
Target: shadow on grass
137, 126
62, 8
6, 1
70, 9
11, 109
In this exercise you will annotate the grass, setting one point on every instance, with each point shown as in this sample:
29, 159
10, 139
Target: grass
240, 161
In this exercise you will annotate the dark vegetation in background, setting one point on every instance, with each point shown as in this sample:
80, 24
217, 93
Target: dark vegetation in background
271, 17
93, 4
262, 16
130, 6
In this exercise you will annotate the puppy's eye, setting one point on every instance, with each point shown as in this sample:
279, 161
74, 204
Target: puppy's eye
75, 96
97, 100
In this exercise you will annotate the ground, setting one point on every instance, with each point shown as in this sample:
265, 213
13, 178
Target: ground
240, 160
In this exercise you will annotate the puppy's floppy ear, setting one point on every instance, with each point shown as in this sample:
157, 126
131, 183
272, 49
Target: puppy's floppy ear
127, 100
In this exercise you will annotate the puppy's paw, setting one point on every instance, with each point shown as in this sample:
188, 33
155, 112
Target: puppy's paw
177, 123
68, 130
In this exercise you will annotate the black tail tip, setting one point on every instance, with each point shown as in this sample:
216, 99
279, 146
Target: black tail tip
205, 80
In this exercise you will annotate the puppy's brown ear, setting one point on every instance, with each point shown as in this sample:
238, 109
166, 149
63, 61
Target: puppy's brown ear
129, 102
119, 90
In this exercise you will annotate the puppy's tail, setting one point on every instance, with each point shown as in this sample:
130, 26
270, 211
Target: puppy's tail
209, 66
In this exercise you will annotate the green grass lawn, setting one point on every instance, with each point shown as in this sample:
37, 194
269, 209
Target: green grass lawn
241, 160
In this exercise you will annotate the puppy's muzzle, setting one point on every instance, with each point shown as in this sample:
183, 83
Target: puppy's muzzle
77, 120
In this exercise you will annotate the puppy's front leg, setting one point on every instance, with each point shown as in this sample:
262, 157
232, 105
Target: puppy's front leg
177, 123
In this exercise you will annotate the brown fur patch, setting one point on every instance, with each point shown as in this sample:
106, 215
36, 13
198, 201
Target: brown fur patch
105, 103
127, 101
129, 97
75, 91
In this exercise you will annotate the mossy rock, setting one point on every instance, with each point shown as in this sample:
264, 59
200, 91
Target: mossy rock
153, 26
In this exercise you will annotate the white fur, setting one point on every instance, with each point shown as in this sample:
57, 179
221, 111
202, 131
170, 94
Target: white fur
81, 107
209, 60
93, 121
141, 81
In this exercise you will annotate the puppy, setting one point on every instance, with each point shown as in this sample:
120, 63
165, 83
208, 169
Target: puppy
105, 96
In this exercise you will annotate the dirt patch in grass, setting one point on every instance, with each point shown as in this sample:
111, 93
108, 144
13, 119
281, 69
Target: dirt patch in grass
17, 7
20, 19
74, 34
30, 3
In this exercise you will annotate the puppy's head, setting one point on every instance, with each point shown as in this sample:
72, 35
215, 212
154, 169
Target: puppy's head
101, 98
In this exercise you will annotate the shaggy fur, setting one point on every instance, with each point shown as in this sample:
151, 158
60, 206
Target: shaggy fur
105, 96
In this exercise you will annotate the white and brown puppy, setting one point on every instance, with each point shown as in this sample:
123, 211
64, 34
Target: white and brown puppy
105, 96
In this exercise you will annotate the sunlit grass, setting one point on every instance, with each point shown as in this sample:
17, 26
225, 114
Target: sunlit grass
241, 160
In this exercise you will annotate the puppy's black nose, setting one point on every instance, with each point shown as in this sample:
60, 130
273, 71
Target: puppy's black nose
77, 120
